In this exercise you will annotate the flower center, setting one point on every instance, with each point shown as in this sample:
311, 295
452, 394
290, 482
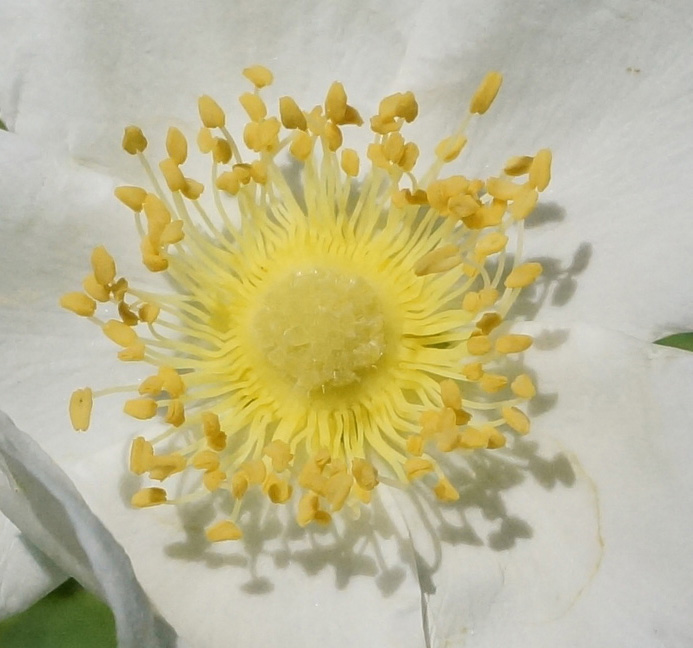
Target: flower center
320, 329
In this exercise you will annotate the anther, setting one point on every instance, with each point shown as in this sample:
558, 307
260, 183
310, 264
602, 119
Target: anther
291, 115
221, 531
141, 408
540, 170
131, 197
81, 403
254, 106
523, 387
78, 303
176, 145
336, 103
417, 467
211, 114
523, 275
103, 265
513, 343
175, 180
486, 93
148, 497
134, 141
516, 419
258, 75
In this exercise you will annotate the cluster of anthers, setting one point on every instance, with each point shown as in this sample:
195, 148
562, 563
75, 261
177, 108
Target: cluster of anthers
325, 335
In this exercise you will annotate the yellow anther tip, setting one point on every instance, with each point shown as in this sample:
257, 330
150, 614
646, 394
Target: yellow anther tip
81, 403
134, 140
486, 93
211, 114
258, 75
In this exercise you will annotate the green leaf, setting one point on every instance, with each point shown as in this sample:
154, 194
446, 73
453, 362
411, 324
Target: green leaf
2, 125
69, 617
678, 341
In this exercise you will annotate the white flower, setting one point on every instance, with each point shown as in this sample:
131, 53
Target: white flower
577, 537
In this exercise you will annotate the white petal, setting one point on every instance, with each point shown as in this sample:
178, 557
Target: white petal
44, 504
147, 63
596, 554
25, 573
354, 585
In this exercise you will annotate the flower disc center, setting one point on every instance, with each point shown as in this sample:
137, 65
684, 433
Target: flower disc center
321, 329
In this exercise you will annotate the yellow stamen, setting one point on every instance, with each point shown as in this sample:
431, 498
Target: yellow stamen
486, 93
78, 303
103, 265
222, 531
524, 275
141, 408
148, 497
134, 141
81, 403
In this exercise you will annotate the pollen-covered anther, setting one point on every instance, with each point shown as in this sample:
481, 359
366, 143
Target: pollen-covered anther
222, 531
173, 382
163, 466
127, 316
131, 197
141, 408
258, 75
221, 151
417, 467
254, 106
148, 313
291, 115
151, 386
473, 371
445, 491
175, 180
148, 497
350, 162
308, 508
95, 290
513, 343
120, 333
451, 394
524, 204
518, 165
206, 460
365, 474
449, 148
255, 470
133, 353
479, 345
175, 413
176, 145
441, 259
119, 289
78, 303
491, 243
492, 383
213, 479
81, 403
336, 103
333, 136
473, 438
141, 454
486, 93
103, 265
211, 114
523, 387
540, 170
524, 275
516, 419
278, 490
503, 189
215, 438
134, 141
173, 233
152, 258
337, 489
280, 454
488, 322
